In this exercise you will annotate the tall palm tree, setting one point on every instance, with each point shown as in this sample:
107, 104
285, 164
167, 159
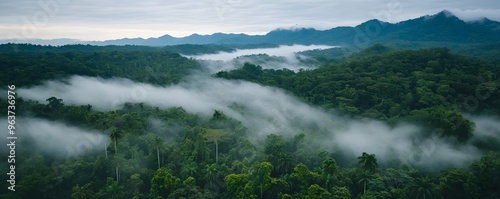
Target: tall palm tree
368, 162
211, 172
189, 168
285, 162
364, 178
218, 115
82, 192
158, 143
113, 190
106, 149
118, 161
263, 176
115, 135
422, 188
103, 126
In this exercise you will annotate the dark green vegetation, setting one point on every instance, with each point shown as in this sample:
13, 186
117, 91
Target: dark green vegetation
430, 86
189, 156
30, 64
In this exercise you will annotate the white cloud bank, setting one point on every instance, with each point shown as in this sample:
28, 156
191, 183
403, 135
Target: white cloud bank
265, 110
55, 138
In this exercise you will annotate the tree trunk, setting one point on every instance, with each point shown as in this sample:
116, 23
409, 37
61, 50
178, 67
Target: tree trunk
217, 152
116, 173
106, 149
158, 154
115, 147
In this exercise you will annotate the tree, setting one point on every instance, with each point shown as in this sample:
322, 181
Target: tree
284, 163
263, 176
115, 135
82, 192
422, 188
396, 178
189, 168
218, 115
368, 162
235, 184
163, 183
458, 183
211, 174
135, 182
157, 143
487, 170
304, 177
112, 190
216, 136
103, 126
275, 148
340, 193
364, 178
118, 162
200, 152
317, 192
54, 103
328, 170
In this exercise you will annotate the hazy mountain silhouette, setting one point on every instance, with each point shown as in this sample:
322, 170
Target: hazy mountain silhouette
441, 27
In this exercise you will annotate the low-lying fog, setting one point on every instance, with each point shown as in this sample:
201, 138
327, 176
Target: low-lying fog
263, 110
269, 58
267, 110
55, 138
281, 51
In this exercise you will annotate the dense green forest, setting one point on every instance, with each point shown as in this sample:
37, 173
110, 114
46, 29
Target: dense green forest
431, 86
30, 67
191, 156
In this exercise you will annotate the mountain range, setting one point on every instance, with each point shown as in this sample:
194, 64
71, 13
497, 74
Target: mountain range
441, 27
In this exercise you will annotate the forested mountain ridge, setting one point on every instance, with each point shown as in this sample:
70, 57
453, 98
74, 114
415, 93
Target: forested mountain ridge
441, 27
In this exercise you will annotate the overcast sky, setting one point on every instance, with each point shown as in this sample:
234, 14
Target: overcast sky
113, 19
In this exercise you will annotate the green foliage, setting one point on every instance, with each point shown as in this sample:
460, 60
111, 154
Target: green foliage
340, 193
163, 183
422, 187
82, 192
431, 86
191, 156
316, 192
33, 64
368, 162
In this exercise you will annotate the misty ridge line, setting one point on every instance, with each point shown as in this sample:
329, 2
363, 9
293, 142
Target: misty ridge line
287, 57
287, 51
265, 110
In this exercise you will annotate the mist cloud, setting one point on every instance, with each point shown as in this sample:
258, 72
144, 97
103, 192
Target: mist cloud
486, 126
404, 142
476, 14
281, 51
268, 58
55, 139
265, 110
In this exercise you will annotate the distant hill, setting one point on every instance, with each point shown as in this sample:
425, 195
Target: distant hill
441, 27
